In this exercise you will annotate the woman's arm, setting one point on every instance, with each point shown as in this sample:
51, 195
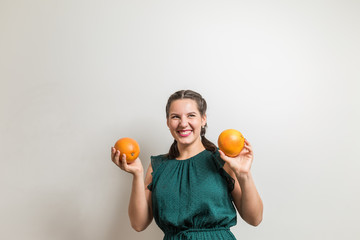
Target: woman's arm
245, 195
247, 199
140, 207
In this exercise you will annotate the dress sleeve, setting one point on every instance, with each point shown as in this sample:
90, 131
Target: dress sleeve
219, 165
155, 163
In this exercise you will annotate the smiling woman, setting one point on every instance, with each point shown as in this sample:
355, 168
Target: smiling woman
186, 115
185, 123
191, 191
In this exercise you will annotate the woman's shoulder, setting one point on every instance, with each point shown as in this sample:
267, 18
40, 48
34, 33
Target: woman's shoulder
218, 160
156, 160
159, 157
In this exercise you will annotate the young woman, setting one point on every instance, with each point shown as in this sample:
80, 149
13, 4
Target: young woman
191, 191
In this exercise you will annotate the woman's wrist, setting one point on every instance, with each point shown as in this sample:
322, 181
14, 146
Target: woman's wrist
138, 173
243, 176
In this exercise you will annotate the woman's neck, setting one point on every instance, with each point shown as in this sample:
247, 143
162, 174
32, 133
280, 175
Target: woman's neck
189, 151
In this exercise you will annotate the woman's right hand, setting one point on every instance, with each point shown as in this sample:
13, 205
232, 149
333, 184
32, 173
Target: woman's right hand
119, 159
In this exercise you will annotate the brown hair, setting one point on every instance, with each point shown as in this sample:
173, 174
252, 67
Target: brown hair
201, 104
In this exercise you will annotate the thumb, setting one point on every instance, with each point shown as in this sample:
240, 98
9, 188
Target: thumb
224, 157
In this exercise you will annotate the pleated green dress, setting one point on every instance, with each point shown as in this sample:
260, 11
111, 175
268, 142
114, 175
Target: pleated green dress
191, 199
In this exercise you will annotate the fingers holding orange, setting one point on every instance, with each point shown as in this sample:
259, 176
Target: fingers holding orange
115, 156
123, 163
113, 151
224, 156
247, 143
119, 159
247, 146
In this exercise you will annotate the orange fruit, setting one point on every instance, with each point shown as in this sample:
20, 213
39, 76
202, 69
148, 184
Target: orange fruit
231, 142
129, 147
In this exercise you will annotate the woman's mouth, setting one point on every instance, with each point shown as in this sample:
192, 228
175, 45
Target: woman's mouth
184, 133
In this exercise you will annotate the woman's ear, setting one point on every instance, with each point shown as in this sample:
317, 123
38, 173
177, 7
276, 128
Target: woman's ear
203, 120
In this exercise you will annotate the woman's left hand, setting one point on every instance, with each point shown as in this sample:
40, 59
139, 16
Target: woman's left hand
240, 164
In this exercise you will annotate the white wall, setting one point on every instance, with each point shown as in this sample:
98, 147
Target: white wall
77, 75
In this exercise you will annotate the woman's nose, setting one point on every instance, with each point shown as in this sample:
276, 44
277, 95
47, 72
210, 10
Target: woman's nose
183, 122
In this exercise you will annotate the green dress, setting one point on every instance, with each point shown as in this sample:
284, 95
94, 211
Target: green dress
191, 199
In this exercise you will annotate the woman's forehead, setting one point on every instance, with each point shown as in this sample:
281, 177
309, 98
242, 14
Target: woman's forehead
183, 105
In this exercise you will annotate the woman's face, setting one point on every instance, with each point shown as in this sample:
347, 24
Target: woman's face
185, 122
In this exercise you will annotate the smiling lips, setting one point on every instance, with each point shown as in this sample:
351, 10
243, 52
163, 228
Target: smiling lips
184, 133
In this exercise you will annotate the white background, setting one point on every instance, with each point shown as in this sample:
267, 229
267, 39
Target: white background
77, 75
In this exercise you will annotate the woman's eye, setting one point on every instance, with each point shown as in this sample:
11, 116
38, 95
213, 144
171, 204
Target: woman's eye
173, 117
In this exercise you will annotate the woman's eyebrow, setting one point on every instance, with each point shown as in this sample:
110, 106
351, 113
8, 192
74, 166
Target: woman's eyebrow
186, 113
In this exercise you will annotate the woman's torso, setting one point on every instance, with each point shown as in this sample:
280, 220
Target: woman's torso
191, 199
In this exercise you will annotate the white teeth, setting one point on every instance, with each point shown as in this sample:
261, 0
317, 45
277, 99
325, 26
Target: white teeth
185, 132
